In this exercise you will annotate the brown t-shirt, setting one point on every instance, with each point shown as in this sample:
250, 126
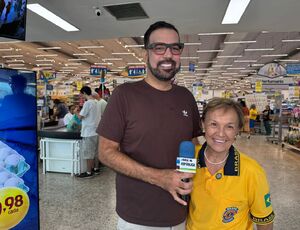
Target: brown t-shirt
149, 125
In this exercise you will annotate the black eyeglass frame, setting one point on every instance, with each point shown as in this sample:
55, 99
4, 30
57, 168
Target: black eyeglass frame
153, 45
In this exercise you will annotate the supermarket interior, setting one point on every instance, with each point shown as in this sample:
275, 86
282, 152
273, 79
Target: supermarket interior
254, 59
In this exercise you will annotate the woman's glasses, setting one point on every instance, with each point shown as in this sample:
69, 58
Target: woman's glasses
161, 48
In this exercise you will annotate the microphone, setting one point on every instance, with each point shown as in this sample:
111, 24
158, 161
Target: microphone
186, 161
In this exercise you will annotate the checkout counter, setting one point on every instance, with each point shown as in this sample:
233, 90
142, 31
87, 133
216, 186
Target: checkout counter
59, 150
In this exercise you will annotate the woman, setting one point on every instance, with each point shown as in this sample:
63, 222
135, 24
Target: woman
253, 115
266, 119
230, 190
246, 127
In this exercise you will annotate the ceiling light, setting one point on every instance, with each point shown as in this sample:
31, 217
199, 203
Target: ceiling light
50, 60
207, 62
262, 49
208, 51
189, 57
90, 47
216, 33
200, 69
103, 63
236, 68
136, 63
242, 61
257, 65
12, 56
235, 10
112, 59
123, 53
48, 15
274, 55
84, 54
288, 60
291, 40
69, 67
8, 49
218, 71
239, 42
44, 64
192, 43
133, 46
230, 56
221, 66
15, 60
49, 48
73, 63
46, 55
77, 59
229, 73
19, 64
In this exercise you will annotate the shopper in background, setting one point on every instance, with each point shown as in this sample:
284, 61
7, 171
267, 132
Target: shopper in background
69, 115
101, 103
89, 115
266, 119
140, 132
246, 127
59, 111
252, 116
74, 124
103, 92
231, 190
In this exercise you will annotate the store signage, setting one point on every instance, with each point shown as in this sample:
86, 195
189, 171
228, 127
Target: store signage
191, 67
96, 70
197, 90
293, 69
134, 71
272, 70
258, 86
19, 200
282, 83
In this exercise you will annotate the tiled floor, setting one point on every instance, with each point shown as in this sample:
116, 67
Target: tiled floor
70, 203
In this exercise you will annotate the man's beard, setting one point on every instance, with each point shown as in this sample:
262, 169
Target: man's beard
164, 75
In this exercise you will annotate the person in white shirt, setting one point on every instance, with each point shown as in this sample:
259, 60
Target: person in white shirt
90, 115
69, 115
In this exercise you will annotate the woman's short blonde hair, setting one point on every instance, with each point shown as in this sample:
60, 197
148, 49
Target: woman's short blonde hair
224, 103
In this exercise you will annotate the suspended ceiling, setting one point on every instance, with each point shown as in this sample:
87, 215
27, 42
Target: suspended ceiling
267, 22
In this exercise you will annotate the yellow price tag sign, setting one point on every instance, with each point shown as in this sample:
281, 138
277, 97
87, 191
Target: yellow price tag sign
14, 205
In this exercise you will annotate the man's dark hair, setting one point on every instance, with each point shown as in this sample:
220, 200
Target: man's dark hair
156, 26
86, 90
18, 80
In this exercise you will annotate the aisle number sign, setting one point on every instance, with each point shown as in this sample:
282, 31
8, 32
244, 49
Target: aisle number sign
258, 86
79, 85
134, 71
96, 70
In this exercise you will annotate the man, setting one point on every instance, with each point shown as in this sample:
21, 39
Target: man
59, 111
140, 133
89, 115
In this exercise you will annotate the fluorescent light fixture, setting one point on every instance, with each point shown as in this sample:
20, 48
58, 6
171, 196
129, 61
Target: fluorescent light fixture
8, 49
49, 48
44, 64
103, 63
69, 67
12, 56
73, 63
116, 70
10, 42
123, 53
208, 51
133, 46
230, 56
239, 42
236, 68
207, 62
261, 49
84, 54
229, 73
136, 63
192, 43
189, 58
200, 69
48, 15
243, 61
215, 33
247, 70
46, 55
46, 60
235, 10
218, 71
288, 60
15, 60
17, 64
257, 64
77, 59
291, 40
112, 59
90, 47
221, 66
274, 55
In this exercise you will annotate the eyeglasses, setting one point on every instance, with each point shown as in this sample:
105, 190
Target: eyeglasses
161, 48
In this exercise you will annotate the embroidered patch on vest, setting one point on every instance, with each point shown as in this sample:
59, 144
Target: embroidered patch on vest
229, 213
